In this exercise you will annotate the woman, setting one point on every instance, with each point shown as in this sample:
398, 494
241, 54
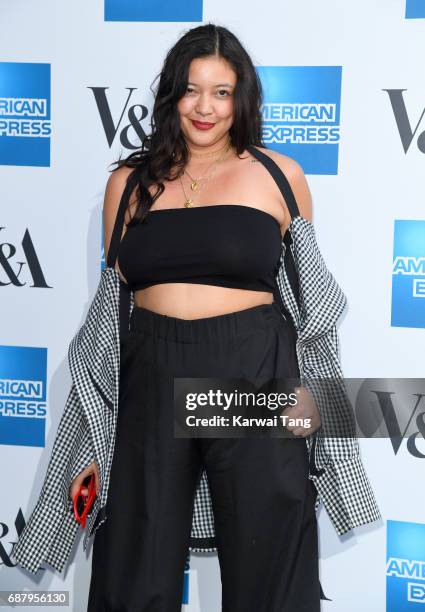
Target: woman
200, 248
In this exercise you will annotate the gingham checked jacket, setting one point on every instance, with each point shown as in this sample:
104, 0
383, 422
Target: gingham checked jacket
86, 432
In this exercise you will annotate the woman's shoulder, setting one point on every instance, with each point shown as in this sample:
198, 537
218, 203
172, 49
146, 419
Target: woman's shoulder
118, 178
114, 190
115, 186
296, 178
287, 164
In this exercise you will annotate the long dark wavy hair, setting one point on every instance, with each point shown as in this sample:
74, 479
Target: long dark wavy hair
165, 147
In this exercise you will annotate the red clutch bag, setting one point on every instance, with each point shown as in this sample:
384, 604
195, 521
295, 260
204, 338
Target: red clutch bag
83, 504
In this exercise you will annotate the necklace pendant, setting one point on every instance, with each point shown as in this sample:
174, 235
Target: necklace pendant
194, 185
188, 203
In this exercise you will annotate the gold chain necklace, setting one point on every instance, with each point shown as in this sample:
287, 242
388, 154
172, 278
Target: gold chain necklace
188, 203
195, 182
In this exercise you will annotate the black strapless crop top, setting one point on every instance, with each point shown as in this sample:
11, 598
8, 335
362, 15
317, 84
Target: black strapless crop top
230, 245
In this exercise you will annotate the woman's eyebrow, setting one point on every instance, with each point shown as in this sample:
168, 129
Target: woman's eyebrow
218, 84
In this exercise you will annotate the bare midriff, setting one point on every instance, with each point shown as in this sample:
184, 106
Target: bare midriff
195, 301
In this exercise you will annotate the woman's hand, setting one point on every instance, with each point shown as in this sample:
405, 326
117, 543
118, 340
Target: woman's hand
78, 480
305, 408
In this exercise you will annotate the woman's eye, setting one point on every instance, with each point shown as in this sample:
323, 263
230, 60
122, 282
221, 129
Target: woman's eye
222, 93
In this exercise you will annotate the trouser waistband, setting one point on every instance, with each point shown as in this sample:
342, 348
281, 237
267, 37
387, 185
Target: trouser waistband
195, 330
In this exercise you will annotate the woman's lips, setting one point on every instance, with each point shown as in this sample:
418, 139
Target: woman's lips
200, 125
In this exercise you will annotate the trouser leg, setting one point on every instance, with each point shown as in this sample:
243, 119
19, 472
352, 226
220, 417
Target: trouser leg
262, 498
139, 553
265, 524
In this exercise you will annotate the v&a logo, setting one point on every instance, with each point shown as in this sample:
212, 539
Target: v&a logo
11, 269
407, 128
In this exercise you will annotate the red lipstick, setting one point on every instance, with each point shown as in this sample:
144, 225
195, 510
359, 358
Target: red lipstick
201, 125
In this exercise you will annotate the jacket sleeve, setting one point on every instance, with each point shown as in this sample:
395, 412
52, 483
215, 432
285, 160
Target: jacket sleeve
335, 464
51, 529
84, 455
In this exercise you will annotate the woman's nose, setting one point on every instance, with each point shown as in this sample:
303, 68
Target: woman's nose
203, 105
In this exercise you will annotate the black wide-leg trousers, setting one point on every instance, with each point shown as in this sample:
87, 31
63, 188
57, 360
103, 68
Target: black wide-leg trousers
263, 501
